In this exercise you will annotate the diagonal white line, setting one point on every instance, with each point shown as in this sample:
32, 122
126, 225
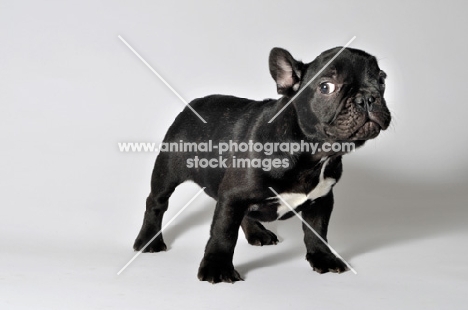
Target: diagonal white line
312, 79
159, 232
313, 230
161, 78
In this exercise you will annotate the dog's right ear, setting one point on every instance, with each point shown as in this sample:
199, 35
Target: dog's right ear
285, 70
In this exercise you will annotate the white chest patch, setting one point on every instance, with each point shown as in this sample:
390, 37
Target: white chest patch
296, 199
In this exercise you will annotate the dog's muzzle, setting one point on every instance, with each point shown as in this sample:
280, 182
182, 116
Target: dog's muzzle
361, 118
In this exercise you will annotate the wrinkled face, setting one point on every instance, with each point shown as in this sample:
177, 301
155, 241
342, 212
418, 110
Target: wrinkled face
348, 96
345, 101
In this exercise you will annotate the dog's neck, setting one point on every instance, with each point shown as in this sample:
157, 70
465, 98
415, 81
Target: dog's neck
286, 127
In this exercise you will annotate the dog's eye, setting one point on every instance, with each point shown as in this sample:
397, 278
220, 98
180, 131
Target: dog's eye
382, 81
327, 88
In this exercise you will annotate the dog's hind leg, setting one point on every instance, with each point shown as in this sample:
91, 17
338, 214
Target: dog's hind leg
256, 233
163, 183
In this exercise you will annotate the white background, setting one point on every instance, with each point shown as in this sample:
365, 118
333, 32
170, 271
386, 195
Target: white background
72, 204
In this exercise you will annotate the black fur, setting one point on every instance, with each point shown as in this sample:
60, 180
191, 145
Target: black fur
356, 111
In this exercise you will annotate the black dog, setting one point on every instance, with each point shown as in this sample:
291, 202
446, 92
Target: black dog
344, 103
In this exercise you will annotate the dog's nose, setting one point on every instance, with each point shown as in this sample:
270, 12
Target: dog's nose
370, 101
365, 101
359, 100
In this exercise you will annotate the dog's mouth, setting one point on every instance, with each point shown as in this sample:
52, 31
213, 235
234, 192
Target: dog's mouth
369, 130
353, 123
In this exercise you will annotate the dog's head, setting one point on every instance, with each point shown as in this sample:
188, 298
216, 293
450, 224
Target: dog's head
339, 101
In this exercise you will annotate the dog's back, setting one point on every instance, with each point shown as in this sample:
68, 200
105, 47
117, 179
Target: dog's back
236, 116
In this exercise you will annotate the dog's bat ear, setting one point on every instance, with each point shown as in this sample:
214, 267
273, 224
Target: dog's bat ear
285, 70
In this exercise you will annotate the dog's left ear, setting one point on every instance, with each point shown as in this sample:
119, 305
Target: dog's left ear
285, 70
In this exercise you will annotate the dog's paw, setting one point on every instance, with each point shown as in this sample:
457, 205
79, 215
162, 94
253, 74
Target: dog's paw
157, 245
262, 237
326, 262
218, 272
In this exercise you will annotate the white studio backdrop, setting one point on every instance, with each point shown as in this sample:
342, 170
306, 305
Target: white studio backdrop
70, 90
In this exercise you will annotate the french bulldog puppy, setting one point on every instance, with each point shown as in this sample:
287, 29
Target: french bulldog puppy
343, 104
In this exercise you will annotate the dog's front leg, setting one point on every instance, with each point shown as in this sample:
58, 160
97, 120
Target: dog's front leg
217, 265
320, 257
